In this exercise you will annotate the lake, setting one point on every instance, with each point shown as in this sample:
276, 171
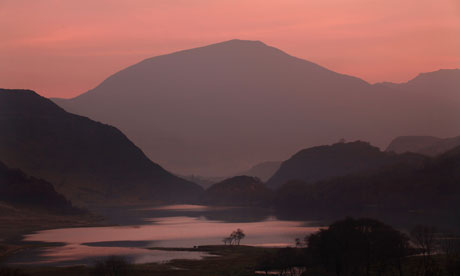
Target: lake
164, 226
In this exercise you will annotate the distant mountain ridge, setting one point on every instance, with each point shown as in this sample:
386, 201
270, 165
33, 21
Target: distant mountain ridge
218, 109
204, 182
263, 170
325, 162
87, 161
426, 145
445, 80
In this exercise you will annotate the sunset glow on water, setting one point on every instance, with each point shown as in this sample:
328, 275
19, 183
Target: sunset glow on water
85, 244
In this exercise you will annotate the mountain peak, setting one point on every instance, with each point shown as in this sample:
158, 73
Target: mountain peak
220, 49
238, 46
234, 44
236, 41
253, 97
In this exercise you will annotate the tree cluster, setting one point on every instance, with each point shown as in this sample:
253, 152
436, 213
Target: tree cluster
285, 262
358, 247
234, 238
367, 247
112, 266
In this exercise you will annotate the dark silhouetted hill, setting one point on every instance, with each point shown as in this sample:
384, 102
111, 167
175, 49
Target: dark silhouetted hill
19, 190
86, 160
426, 145
429, 189
238, 191
218, 109
324, 162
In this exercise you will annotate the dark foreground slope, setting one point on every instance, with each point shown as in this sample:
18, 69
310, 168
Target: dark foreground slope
324, 162
85, 160
30, 204
239, 191
22, 191
430, 189
426, 145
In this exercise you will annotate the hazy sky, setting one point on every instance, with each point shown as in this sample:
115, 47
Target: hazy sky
61, 48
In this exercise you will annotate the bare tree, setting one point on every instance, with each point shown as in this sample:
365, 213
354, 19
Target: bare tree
227, 240
235, 237
239, 235
424, 238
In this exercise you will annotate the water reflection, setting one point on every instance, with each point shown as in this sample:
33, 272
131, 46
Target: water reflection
167, 226
179, 232
134, 216
79, 254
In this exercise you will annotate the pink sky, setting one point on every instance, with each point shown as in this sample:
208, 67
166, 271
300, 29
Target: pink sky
62, 48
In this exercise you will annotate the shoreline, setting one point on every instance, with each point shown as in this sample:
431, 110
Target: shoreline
221, 260
15, 228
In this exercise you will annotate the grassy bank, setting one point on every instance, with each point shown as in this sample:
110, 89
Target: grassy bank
226, 260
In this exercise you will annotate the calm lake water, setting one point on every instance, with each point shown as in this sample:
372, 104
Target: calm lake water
166, 226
